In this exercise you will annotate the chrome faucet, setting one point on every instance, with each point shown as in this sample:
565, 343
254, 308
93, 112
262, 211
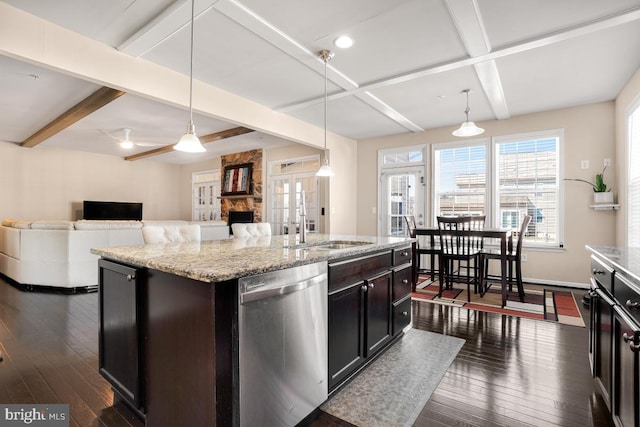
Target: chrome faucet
303, 218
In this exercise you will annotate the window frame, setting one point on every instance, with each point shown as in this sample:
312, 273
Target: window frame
634, 107
488, 167
549, 133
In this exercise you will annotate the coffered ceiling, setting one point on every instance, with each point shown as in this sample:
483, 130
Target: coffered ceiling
409, 62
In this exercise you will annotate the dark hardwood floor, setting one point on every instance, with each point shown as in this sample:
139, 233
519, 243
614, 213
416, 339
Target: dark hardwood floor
510, 372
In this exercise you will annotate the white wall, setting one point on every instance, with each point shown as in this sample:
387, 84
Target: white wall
50, 183
589, 135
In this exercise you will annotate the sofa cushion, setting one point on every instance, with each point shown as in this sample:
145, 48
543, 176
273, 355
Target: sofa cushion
89, 224
21, 224
52, 225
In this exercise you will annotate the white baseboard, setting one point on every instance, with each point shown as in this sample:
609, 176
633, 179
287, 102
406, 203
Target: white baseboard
575, 285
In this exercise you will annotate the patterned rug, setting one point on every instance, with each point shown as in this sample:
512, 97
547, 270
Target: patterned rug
540, 303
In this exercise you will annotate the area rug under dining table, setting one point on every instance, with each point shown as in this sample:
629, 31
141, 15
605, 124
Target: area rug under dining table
395, 387
541, 303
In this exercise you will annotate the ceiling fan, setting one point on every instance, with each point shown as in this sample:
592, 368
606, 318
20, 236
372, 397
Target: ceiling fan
127, 143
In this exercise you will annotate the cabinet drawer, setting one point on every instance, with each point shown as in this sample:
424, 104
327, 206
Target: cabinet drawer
401, 283
402, 255
602, 274
628, 296
401, 315
347, 272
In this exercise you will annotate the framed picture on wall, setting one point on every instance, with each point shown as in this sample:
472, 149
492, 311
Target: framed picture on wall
237, 179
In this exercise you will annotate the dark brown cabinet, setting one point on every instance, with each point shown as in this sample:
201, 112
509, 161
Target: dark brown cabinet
121, 334
615, 340
369, 305
377, 312
626, 334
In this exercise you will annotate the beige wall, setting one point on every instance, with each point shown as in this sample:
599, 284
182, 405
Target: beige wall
629, 94
50, 183
588, 135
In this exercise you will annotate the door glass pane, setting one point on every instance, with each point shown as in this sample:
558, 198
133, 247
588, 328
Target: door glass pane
402, 197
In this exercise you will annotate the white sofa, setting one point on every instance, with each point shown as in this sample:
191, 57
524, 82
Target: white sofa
58, 253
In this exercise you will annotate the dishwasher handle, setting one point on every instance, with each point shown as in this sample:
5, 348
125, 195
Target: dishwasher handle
267, 291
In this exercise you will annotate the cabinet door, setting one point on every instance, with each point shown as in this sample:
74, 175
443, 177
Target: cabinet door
120, 335
346, 347
601, 342
378, 312
626, 337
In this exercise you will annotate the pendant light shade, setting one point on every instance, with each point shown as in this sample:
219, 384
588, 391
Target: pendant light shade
325, 168
126, 144
468, 128
189, 143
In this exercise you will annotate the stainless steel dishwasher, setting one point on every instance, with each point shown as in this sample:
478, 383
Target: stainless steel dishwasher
283, 372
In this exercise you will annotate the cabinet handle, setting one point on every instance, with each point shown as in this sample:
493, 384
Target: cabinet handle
364, 288
405, 253
594, 271
405, 281
371, 285
632, 304
131, 277
404, 313
629, 339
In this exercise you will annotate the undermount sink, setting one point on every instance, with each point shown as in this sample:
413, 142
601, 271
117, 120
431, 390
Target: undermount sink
341, 244
331, 244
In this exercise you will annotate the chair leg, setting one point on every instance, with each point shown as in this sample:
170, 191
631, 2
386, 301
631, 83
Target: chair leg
519, 280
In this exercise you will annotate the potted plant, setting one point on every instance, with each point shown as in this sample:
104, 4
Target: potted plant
600, 192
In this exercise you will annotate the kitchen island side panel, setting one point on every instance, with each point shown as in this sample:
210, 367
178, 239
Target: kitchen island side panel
189, 347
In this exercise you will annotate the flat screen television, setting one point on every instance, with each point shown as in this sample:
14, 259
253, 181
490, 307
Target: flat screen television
111, 210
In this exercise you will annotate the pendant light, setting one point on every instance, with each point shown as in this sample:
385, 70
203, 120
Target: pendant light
325, 169
467, 128
126, 144
189, 142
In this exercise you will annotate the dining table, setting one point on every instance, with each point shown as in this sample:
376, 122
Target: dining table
505, 235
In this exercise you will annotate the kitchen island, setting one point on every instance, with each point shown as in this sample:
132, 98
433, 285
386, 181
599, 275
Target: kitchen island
170, 329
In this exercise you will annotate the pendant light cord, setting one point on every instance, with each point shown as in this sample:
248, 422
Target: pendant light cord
193, 3
326, 59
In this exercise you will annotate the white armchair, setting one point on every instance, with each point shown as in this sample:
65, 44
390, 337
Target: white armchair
170, 233
250, 230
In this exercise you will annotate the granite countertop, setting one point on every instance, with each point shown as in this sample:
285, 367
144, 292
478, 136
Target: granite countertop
625, 259
220, 260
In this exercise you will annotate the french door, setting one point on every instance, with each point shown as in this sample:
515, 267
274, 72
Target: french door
402, 192
286, 196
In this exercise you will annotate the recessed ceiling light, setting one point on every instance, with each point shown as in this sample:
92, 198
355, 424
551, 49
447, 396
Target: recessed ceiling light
343, 42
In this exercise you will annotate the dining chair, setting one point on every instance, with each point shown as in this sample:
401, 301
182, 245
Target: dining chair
459, 245
514, 259
421, 247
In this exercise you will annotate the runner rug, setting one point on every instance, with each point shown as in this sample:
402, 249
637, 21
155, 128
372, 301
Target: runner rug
540, 303
394, 388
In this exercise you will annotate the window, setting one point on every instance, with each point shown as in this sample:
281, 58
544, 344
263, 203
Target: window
460, 179
527, 169
633, 178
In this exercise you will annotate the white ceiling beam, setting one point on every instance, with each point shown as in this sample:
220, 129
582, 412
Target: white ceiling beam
470, 26
556, 37
253, 22
175, 17
166, 24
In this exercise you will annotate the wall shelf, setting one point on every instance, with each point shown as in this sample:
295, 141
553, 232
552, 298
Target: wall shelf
605, 207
